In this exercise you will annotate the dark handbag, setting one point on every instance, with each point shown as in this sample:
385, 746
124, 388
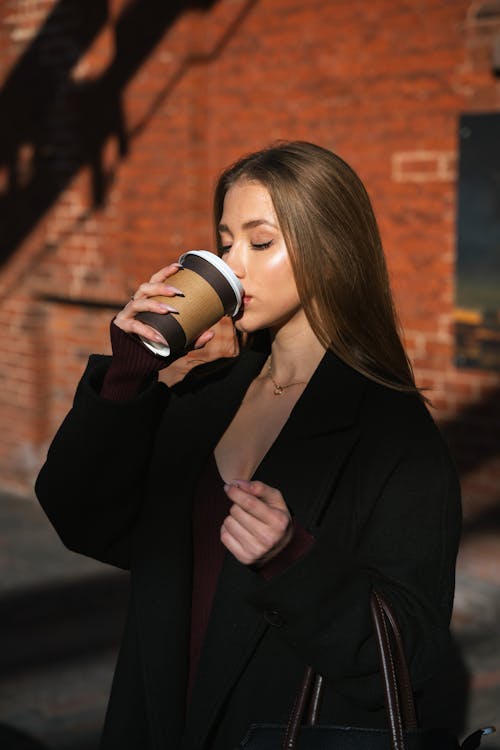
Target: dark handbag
402, 732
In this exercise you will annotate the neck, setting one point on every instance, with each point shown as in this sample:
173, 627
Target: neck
295, 353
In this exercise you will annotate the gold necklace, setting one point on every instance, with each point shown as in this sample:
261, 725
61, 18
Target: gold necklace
278, 389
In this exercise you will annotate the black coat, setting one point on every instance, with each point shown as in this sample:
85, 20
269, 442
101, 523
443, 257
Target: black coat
362, 466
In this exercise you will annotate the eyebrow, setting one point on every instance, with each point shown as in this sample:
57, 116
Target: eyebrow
248, 225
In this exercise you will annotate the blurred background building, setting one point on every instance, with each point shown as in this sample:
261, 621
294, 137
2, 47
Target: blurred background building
115, 118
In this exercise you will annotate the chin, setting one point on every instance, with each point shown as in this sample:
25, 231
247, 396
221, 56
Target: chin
250, 322
246, 325
243, 327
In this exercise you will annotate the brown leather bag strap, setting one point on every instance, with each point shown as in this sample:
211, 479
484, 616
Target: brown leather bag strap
315, 700
398, 695
388, 670
297, 712
402, 671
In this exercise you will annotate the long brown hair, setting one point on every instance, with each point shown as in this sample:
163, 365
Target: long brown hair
336, 254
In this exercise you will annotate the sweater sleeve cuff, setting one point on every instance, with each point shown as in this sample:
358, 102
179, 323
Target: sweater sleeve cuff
300, 543
131, 366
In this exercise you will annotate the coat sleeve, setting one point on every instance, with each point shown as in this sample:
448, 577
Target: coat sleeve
91, 485
408, 526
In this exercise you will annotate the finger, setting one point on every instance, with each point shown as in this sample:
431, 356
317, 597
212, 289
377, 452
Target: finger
248, 503
235, 547
250, 547
203, 340
131, 325
256, 526
152, 304
148, 304
165, 272
268, 532
256, 508
156, 290
144, 305
266, 494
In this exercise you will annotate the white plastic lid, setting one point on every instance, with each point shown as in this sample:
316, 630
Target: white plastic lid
230, 277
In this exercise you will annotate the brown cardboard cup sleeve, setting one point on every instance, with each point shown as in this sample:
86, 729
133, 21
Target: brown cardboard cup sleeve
211, 290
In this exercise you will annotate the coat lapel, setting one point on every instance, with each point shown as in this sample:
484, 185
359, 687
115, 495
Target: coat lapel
304, 462
306, 459
232, 634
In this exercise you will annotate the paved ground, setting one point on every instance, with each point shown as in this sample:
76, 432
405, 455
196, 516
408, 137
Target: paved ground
60, 619
476, 625
61, 615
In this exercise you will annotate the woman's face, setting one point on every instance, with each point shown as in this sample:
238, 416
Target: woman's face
254, 248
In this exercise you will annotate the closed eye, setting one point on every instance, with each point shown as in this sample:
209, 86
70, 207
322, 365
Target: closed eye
255, 245
262, 245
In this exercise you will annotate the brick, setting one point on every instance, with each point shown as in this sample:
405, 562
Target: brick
423, 166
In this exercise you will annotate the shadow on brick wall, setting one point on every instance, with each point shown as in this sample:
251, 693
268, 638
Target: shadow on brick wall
54, 124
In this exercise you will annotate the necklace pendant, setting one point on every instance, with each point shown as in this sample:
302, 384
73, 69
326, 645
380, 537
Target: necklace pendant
278, 389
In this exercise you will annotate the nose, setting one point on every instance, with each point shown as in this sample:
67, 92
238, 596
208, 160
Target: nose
235, 260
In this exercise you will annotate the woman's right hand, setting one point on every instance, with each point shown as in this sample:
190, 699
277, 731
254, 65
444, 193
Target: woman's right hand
142, 300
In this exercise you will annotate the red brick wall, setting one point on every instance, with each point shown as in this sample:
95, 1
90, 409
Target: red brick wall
380, 82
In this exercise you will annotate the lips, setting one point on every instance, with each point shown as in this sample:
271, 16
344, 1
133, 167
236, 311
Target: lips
244, 302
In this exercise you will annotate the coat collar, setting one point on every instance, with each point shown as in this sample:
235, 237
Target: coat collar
330, 401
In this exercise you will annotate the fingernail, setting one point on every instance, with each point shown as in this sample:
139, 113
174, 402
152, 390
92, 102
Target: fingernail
168, 308
158, 337
178, 265
177, 291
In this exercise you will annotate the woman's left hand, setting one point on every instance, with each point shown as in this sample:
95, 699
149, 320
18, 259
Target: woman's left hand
259, 524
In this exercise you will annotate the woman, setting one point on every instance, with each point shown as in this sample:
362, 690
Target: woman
257, 507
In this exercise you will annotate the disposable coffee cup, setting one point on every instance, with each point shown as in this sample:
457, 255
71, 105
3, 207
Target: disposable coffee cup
211, 290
